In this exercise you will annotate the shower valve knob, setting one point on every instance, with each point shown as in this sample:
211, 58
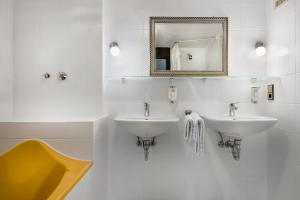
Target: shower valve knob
62, 76
47, 75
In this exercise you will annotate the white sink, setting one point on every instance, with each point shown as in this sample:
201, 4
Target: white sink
240, 125
146, 127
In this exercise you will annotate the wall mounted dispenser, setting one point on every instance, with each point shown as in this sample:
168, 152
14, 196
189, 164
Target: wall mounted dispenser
271, 92
255, 94
172, 92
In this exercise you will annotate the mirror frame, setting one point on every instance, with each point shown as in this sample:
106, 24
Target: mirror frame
191, 20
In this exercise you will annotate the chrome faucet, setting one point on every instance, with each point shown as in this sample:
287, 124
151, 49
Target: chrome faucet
232, 109
146, 109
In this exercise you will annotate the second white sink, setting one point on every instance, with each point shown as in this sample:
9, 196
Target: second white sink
146, 127
240, 125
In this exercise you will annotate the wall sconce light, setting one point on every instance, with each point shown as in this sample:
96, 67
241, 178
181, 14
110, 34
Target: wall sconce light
114, 49
260, 49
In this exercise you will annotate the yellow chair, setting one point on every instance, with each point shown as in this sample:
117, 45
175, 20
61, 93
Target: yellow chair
34, 171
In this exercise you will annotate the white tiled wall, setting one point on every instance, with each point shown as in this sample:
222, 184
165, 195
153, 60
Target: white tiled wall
127, 23
53, 36
283, 60
173, 171
6, 59
93, 185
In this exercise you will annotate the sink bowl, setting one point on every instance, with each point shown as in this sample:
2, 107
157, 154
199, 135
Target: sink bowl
240, 125
146, 127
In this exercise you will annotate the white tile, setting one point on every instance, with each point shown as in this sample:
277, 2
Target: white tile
282, 49
242, 58
298, 119
234, 14
284, 91
125, 11
298, 41
254, 2
253, 17
286, 115
284, 183
281, 173
234, 55
81, 149
131, 61
67, 38
253, 65
45, 130
294, 149
6, 59
297, 89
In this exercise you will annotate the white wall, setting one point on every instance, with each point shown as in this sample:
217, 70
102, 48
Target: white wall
283, 60
127, 23
6, 59
173, 171
93, 185
39, 36
53, 36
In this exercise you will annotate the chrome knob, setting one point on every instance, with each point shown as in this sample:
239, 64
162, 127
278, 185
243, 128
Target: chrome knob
47, 75
62, 76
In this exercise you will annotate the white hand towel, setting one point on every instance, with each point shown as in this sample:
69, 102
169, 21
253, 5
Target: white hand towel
198, 133
189, 129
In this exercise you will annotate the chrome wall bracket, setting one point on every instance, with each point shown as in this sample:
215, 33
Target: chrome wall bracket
233, 143
146, 143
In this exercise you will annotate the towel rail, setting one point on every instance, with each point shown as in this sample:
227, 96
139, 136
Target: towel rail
188, 112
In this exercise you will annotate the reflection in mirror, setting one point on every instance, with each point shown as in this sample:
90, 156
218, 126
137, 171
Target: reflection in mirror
188, 46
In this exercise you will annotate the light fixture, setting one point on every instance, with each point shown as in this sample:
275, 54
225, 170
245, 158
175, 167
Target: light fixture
260, 49
114, 49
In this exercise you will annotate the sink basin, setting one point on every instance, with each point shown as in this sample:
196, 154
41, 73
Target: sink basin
240, 125
146, 127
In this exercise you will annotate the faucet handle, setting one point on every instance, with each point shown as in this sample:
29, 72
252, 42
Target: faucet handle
233, 104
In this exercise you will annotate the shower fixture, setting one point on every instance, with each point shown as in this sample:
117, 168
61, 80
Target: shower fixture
46, 75
62, 76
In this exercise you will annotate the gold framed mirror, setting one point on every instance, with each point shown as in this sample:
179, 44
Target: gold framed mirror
188, 46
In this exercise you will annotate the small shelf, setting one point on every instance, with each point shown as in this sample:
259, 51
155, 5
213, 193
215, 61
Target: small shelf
260, 78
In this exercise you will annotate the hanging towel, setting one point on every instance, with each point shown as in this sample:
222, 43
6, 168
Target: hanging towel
198, 133
175, 58
189, 129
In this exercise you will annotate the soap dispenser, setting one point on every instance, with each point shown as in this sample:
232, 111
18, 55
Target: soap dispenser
172, 92
255, 94
254, 91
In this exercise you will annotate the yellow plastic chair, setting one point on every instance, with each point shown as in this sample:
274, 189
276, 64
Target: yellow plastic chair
34, 171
